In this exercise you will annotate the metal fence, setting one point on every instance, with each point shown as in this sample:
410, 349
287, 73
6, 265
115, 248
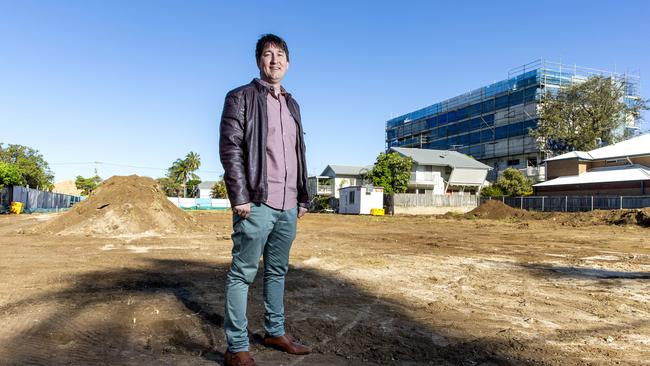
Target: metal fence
35, 200
573, 203
434, 200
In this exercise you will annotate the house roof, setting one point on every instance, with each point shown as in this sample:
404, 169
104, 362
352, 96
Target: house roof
639, 145
347, 169
208, 184
571, 155
620, 173
453, 159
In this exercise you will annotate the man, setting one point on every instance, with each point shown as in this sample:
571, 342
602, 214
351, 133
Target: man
263, 154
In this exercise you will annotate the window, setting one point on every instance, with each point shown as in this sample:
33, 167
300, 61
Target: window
351, 197
501, 132
513, 162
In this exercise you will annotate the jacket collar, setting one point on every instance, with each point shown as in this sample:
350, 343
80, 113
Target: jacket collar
264, 87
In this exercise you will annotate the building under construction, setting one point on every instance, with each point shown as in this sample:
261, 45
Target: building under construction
492, 123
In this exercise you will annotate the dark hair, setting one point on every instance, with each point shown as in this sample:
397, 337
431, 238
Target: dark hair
267, 39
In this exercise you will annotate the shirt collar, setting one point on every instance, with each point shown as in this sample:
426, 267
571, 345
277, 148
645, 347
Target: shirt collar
270, 87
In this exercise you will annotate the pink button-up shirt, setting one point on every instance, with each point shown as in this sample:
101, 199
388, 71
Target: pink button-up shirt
281, 153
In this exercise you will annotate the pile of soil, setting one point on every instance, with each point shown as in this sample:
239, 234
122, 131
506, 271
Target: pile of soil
122, 205
497, 210
640, 217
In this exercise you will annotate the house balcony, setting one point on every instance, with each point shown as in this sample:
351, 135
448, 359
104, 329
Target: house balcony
536, 174
424, 180
325, 190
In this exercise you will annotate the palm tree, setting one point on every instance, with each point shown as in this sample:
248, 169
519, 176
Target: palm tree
193, 161
183, 170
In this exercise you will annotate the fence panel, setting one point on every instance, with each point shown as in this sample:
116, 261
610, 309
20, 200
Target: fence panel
433, 200
36, 200
635, 202
573, 203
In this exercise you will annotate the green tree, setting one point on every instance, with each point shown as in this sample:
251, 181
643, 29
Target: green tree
492, 191
87, 185
192, 187
170, 187
10, 175
182, 170
219, 190
581, 115
33, 168
392, 171
513, 183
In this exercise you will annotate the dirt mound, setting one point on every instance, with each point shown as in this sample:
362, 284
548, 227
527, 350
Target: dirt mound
122, 205
640, 217
496, 210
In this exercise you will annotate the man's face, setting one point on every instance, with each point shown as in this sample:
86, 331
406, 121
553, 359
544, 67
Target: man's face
273, 64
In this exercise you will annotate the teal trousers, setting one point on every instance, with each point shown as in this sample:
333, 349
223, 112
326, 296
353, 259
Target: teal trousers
266, 233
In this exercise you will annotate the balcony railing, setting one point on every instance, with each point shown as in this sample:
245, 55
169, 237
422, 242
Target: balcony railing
424, 177
325, 189
537, 173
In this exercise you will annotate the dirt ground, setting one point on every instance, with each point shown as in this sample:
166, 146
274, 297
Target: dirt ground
361, 290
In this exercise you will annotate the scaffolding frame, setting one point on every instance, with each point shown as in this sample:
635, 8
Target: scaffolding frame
548, 74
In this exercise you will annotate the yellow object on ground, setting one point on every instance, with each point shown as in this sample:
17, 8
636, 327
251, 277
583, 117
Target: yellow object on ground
377, 211
16, 208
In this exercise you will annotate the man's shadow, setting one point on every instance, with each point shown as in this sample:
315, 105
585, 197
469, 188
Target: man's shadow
170, 312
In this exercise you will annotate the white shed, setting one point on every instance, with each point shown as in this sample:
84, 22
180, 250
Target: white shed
359, 200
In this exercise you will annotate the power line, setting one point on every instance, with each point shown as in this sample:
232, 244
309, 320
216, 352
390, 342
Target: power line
127, 166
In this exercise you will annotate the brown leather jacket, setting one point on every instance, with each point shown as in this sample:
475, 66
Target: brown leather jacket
242, 145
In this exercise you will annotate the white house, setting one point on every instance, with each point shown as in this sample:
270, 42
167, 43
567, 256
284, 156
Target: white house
205, 189
443, 171
335, 177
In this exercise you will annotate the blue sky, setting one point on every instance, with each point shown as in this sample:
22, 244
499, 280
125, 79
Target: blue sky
138, 84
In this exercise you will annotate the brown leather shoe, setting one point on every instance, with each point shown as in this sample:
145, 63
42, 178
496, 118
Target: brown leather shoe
287, 344
238, 359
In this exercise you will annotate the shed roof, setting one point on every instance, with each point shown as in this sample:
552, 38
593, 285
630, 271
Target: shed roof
621, 173
453, 159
